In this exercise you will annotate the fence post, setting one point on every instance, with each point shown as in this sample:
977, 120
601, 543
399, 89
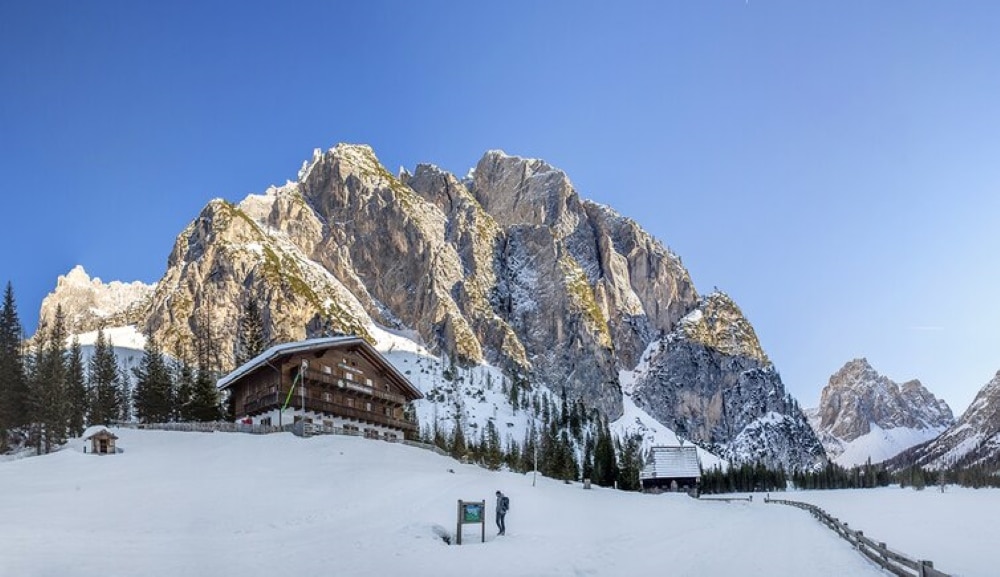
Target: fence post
882, 550
923, 566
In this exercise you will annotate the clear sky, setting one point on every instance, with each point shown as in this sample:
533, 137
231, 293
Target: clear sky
833, 166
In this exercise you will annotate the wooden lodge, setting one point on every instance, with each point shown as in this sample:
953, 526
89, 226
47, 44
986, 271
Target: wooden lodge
675, 468
337, 384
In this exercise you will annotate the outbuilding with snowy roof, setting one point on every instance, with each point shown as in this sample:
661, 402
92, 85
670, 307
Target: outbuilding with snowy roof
101, 440
671, 468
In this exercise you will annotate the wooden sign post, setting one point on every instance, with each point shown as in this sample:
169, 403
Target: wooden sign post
470, 512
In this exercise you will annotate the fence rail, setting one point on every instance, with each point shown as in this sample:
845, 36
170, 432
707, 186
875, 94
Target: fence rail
892, 561
227, 427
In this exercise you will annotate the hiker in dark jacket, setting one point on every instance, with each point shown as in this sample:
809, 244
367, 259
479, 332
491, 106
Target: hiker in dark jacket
502, 504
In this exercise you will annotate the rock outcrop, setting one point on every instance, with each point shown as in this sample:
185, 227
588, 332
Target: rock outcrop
710, 381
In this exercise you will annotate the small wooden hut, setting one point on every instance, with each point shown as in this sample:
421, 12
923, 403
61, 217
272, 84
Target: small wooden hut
101, 441
672, 469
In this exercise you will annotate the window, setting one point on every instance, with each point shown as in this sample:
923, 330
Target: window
327, 370
368, 382
368, 407
350, 402
348, 376
327, 397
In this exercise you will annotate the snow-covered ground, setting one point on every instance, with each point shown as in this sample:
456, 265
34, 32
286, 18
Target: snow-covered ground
177, 503
957, 529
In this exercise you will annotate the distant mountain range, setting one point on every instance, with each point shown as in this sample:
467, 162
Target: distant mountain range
507, 269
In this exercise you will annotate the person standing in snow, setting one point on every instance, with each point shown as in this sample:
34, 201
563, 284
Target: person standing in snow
503, 503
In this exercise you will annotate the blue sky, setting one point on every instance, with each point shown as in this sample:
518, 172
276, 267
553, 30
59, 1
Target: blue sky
832, 166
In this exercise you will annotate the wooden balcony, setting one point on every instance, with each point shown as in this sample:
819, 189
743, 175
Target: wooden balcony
272, 401
319, 376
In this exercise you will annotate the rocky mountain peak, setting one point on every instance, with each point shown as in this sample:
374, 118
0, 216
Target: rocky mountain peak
719, 324
710, 381
89, 303
865, 415
858, 397
972, 440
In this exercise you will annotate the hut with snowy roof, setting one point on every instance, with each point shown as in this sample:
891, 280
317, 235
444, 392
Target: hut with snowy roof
675, 468
101, 441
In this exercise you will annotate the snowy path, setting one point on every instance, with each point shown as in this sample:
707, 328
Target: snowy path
191, 504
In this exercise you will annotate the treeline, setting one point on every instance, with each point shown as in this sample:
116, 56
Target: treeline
564, 441
49, 392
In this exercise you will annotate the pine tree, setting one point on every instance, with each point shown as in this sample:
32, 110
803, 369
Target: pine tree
251, 335
631, 462
605, 463
184, 384
204, 405
49, 404
492, 452
13, 382
153, 392
104, 382
76, 390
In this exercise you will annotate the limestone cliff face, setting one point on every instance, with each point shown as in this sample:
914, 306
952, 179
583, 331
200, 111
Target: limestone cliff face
508, 267
711, 382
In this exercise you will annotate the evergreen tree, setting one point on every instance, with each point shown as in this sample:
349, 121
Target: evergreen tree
631, 462
457, 447
104, 382
491, 450
184, 384
251, 335
153, 393
76, 390
204, 405
605, 462
13, 382
49, 404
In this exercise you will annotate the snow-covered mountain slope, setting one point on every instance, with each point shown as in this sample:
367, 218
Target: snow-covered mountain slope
863, 414
175, 503
974, 439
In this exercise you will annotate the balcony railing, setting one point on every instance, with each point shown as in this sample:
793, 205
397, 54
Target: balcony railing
314, 375
271, 401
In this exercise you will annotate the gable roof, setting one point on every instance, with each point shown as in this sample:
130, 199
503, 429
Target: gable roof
672, 463
98, 431
284, 350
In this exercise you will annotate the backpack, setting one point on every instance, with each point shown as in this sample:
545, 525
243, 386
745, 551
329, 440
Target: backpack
505, 503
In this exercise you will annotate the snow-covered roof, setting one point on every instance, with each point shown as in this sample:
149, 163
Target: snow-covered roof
307, 345
97, 429
672, 463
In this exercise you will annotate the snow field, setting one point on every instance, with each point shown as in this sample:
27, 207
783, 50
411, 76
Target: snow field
178, 503
957, 529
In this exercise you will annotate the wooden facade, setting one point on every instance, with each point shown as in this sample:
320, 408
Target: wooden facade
339, 383
102, 442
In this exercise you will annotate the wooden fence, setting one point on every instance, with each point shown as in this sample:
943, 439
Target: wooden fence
892, 561
297, 428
